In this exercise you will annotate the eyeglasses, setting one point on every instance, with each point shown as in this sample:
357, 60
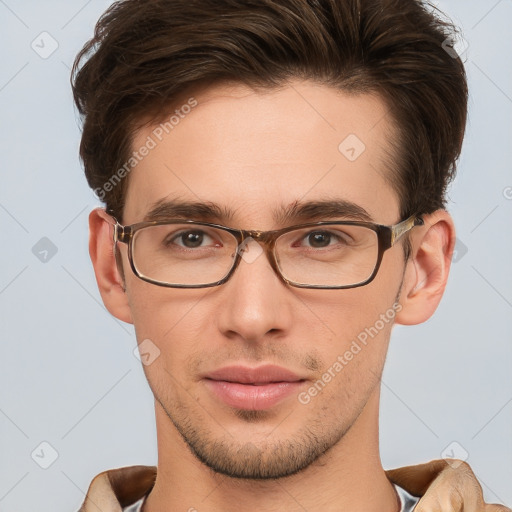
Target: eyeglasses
194, 254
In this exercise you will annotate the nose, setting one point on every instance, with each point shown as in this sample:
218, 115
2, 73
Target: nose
255, 302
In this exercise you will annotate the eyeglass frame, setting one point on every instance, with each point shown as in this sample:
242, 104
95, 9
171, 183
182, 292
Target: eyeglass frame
387, 237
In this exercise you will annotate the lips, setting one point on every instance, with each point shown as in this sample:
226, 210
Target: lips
256, 376
253, 388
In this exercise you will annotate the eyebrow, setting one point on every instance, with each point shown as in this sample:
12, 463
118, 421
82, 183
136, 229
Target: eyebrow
297, 211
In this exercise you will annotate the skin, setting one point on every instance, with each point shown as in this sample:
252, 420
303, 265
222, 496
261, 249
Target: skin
254, 151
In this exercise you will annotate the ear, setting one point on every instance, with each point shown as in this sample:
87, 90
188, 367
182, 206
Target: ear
101, 250
427, 270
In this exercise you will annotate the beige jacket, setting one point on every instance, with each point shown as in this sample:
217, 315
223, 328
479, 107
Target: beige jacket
115, 489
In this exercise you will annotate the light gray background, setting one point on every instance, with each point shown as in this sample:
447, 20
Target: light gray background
68, 375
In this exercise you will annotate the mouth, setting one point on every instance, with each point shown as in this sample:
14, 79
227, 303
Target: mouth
253, 388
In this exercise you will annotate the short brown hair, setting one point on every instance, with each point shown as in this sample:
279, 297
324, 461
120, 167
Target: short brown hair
147, 53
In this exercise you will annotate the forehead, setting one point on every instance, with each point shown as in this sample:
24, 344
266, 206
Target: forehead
255, 153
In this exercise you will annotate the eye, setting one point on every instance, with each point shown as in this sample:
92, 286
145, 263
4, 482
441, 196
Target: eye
318, 239
189, 239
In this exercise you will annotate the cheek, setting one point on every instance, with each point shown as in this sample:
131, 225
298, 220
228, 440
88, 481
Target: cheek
351, 372
350, 314
345, 387
158, 311
168, 328
171, 319
359, 323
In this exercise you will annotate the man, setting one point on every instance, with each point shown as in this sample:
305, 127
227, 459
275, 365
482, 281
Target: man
274, 176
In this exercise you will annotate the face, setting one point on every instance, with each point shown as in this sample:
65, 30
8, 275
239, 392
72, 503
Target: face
253, 153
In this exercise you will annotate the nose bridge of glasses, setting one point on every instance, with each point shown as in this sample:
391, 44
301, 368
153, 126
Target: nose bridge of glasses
264, 238
264, 243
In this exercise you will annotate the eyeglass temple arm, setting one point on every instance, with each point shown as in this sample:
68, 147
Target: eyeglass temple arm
121, 233
400, 229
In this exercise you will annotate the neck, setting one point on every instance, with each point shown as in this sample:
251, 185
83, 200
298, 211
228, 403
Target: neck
339, 480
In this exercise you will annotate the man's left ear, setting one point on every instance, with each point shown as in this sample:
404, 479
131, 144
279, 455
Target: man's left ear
427, 270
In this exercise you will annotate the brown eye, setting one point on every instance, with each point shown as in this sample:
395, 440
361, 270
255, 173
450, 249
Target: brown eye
190, 239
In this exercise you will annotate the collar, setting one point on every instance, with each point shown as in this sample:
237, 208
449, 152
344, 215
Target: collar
112, 490
115, 489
